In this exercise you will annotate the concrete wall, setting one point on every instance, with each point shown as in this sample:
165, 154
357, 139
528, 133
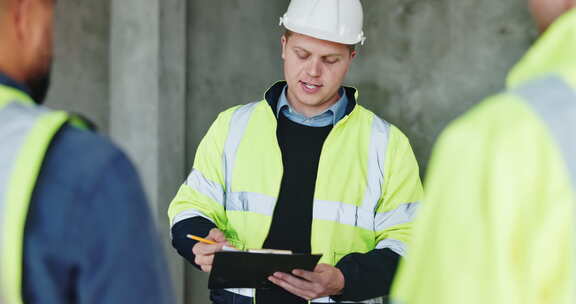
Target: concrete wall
424, 63
428, 61
80, 78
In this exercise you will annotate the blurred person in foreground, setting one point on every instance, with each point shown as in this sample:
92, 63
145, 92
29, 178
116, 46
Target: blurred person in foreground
74, 222
498, 225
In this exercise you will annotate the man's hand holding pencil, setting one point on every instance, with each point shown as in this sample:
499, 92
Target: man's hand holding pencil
206, 247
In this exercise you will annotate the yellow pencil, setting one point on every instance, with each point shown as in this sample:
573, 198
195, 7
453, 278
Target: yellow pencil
199, 239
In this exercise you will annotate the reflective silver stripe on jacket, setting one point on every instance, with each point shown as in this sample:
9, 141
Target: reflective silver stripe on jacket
197, 181
555, 103
187, 214
395, 245
376, 160
251, 202
347, 214
238, 124
342, 213
403, 214
16, 122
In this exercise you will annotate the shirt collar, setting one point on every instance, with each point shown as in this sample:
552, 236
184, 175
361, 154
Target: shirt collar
337, 110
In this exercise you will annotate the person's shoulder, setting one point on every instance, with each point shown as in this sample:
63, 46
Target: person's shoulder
79, 155
500, 115
361, 110
87, 145
248, 107
502, 122
238, 112
367, 116
380, 124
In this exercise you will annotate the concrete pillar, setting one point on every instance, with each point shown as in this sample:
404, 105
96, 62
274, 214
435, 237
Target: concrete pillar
80, 71
147, 106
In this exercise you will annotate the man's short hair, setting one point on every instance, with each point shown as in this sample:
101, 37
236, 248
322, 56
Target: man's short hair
288, 33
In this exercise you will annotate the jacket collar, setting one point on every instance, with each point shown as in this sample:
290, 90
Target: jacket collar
273, 94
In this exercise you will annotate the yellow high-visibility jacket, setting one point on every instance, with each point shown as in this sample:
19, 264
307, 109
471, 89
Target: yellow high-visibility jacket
366, 191
498, 223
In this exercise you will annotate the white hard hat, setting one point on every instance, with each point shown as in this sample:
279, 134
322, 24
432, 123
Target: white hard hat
333, 20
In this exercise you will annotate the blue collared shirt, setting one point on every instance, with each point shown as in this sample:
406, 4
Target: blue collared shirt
329, 117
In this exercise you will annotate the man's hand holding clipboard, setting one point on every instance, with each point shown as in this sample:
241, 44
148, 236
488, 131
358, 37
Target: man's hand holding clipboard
297, 273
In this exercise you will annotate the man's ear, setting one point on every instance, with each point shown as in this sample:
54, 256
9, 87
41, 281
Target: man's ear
283, 42
353, 54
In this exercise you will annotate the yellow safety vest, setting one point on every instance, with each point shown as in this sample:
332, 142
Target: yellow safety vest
26, 131
366, 191
498, 225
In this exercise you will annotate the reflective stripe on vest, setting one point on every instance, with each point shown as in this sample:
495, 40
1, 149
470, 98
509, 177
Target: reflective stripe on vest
555, 103
25, 133
238, 125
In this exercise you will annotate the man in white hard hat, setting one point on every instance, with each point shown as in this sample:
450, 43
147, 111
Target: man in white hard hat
306, 169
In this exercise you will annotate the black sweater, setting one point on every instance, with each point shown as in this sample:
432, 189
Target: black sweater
292, 221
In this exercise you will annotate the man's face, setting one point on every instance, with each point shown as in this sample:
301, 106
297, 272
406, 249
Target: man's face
314, 70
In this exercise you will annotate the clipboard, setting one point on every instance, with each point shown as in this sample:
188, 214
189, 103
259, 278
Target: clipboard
241, 269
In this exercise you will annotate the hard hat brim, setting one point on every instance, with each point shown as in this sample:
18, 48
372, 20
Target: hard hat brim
319, 34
